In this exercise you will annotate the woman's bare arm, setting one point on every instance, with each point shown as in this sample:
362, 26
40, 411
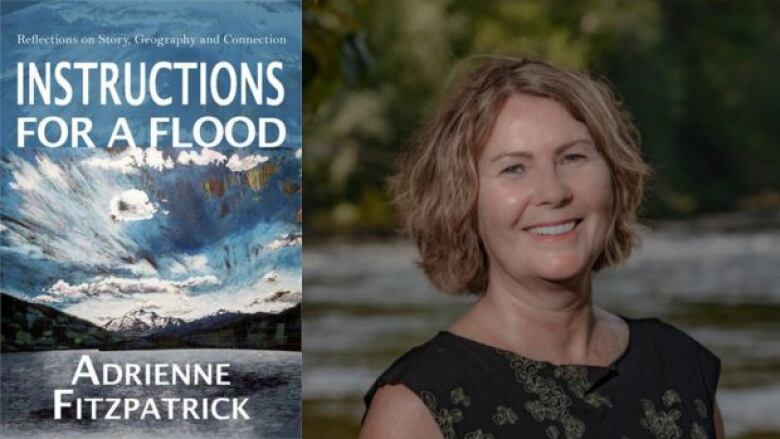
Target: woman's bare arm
397, 413
719, 434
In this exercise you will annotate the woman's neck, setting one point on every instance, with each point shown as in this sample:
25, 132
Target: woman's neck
543, 320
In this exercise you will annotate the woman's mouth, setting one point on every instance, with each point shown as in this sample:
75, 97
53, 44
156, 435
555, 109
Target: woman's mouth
554, 229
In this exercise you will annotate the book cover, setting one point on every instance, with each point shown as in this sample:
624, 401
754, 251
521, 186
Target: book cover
150, 225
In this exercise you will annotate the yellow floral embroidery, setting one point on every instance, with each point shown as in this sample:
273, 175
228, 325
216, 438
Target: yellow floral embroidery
553, 403
670, 398
458, 396
701, 407
478, 434
504, 415
662, 424
445, 418
697, 432
577, 381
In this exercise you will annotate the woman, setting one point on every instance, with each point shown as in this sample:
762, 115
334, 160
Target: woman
528, 180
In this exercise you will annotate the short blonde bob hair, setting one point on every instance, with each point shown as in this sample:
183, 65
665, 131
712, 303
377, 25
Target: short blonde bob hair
436, 186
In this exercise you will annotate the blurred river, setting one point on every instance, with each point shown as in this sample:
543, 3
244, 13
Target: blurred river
366, 303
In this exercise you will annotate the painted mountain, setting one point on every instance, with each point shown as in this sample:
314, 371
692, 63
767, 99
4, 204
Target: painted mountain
141, 321
31, 327
28, 327
279, 331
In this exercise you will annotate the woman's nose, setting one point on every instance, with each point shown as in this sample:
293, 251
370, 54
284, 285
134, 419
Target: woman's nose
551, 189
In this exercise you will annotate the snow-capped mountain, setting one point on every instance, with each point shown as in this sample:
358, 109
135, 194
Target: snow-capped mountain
140, 321
205, 322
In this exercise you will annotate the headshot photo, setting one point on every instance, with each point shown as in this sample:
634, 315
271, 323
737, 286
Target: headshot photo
538, 220
527, 181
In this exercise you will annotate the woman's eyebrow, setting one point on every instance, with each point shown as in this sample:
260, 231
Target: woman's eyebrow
528, 155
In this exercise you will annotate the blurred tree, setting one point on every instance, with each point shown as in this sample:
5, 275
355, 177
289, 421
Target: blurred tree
700, 78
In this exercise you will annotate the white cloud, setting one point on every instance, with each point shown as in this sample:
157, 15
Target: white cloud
281, 296
274, 296
289, 240
63, 206
199, 263
132, 159
126, 163
298, 153
51, 170
246, 299
26, 176
113, 287
61, 291
154, 159
271, 276
237, 164
198, 281
141, 267
193, 263
132, 205
177, 268
206, 157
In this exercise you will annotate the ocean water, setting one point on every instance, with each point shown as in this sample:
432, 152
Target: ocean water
366, 303
271, 380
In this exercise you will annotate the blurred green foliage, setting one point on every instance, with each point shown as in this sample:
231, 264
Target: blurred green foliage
699, 76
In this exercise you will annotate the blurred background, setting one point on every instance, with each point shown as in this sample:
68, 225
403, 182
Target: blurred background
702, 79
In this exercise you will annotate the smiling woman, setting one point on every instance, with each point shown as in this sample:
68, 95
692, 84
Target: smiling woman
528, 180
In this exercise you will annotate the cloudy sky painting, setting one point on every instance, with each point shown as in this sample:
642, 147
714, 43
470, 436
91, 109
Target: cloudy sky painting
98, 232
98, 242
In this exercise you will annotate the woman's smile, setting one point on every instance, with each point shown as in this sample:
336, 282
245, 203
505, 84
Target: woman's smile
554, 231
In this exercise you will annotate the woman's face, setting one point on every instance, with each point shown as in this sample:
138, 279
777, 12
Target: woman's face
545, 193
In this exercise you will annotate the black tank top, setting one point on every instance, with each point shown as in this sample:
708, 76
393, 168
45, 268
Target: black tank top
662, 386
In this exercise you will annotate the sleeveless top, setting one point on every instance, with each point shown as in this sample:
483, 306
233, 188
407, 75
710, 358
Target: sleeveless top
662, 386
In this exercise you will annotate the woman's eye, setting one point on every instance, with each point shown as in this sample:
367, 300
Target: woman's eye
514, 169
573, 158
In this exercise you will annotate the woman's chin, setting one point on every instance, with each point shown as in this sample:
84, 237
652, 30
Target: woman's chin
560, 269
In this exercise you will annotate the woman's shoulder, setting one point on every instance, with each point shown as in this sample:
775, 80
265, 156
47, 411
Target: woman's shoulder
438, 367
673, 351
418, 366
666, 337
